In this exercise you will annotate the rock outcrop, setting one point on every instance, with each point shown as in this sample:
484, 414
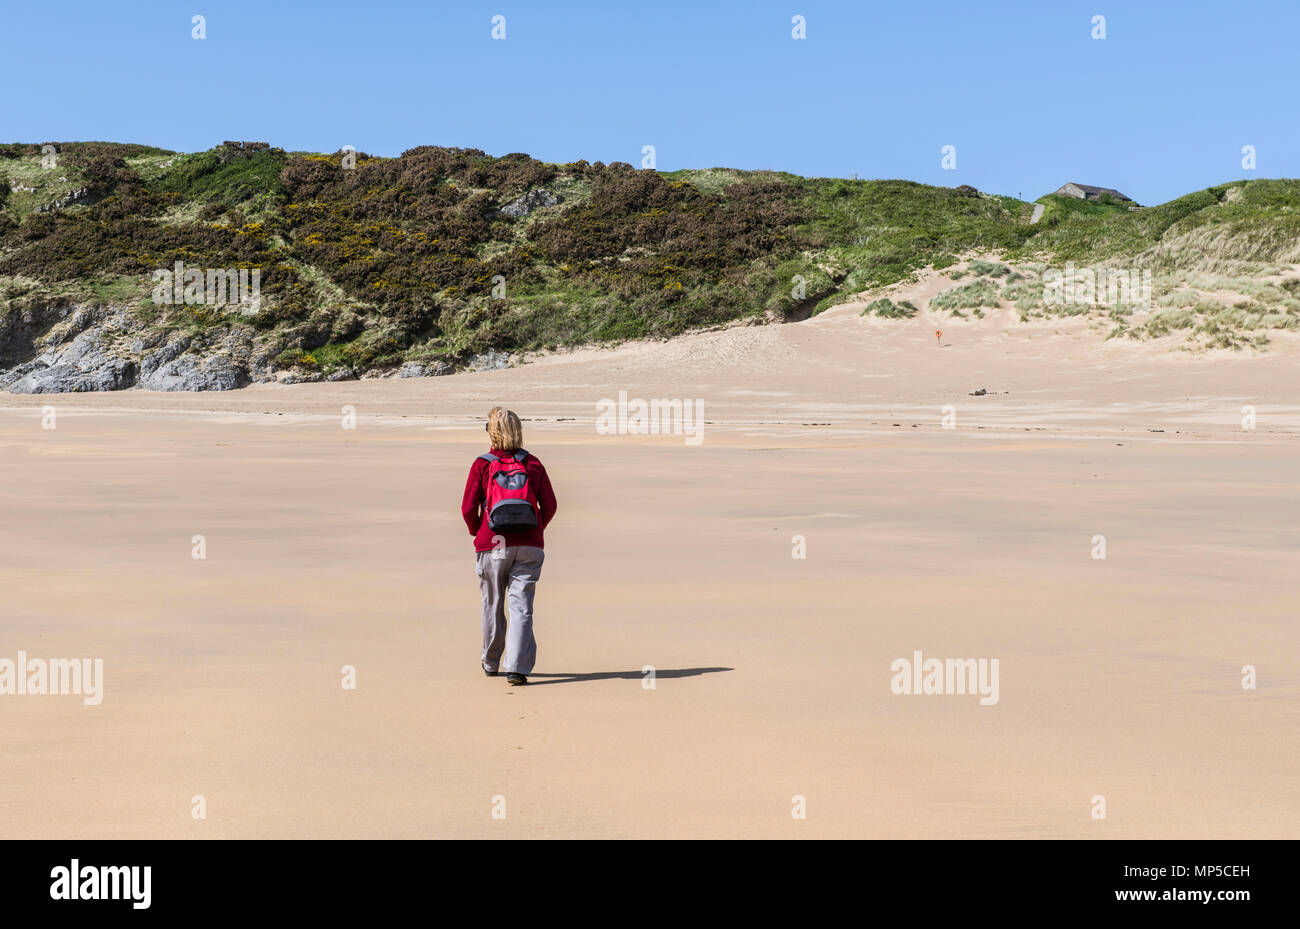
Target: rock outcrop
423, 369
71, 349
71, 198
171, 369
524, 204
100, 348
491, 360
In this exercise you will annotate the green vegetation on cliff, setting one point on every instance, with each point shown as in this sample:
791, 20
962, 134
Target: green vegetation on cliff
442, 253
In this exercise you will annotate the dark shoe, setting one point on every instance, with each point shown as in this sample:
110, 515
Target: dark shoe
516, 679
489, 673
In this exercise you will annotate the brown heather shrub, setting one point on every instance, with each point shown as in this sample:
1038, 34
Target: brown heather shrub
104, 172
419, 239
669, 231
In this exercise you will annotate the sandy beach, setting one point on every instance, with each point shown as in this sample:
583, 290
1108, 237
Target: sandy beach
1119, 677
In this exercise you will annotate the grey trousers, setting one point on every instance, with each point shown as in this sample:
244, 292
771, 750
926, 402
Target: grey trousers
509, 573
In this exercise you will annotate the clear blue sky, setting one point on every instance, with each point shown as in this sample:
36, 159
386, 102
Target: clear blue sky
1160, 107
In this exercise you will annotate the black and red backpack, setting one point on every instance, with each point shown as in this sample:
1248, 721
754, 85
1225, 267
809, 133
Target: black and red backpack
510, 498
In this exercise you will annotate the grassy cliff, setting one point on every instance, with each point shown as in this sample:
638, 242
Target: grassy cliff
442, 253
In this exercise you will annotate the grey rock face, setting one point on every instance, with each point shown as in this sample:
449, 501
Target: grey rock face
80, 195
65, 379
421, 369
190, 372
491, 360
80, 365
83, 348
524, 204
62, 348
165, 355
21, 332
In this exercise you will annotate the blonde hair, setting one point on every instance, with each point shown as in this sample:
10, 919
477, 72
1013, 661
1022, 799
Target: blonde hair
504, 429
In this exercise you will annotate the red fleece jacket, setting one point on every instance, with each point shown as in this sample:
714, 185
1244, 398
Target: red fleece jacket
476, 517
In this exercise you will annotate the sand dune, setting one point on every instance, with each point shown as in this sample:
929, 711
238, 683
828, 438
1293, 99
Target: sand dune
329, 547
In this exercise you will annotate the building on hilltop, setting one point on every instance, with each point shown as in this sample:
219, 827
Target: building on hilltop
1088, 192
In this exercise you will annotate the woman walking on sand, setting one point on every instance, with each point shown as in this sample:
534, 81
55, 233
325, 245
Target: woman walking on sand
508, 502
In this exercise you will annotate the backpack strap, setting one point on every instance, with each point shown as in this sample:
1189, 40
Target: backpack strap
518, 456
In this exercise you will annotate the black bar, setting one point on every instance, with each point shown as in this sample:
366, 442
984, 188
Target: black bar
331, 878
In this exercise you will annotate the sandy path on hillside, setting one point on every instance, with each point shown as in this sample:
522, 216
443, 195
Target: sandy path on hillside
329, 547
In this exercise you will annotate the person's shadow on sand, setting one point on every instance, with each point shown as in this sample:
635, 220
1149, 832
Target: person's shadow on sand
620, 675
